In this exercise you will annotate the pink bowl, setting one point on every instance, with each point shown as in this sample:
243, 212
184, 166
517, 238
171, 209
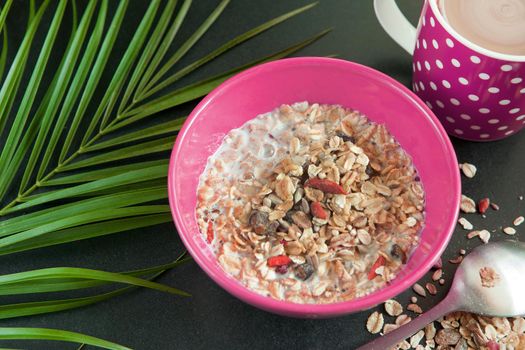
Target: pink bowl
265, 87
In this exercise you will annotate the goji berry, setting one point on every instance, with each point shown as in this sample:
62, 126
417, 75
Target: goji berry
379, 262
209, 232
318, 211
483, 205
278, 260
325, 185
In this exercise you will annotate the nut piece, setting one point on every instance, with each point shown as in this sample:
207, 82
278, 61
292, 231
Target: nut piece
469, 170
509, 230
304, 271
419, 290
375, 322
393, 308
467, 204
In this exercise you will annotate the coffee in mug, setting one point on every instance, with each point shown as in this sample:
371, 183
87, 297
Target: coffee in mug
496, 25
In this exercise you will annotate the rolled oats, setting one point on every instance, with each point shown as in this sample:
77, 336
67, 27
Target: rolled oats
419, 290
393, 308
469, 170
518, 221
467, 204
375, 322
327, 195
509, 230
465, 224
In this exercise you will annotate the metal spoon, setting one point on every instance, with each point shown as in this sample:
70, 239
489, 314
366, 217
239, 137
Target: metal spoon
504, 299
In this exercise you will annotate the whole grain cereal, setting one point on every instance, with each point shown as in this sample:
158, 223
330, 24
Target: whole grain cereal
311, 204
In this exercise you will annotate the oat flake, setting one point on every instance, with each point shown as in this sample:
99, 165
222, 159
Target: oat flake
375, 322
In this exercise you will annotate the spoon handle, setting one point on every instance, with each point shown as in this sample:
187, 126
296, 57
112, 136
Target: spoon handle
391, 339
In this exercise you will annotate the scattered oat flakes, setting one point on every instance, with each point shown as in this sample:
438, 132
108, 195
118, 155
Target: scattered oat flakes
431, 288
509, 230
375, 322
393, 308
465, 224
484, 235
416, 338
419, 289
469, 170
518, 221
413, 299
441, 281
467, 204
415, 308
489, 277
437, 275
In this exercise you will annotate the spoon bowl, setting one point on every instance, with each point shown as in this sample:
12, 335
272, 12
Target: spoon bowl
489, 281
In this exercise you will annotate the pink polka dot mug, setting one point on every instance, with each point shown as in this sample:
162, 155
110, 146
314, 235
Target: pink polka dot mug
476, 93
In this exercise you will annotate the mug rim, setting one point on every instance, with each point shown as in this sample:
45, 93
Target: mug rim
494, 54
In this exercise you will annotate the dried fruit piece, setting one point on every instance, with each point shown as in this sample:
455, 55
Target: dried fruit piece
469, 170
393, 308
493, 345
380, 261
494, 206
489, 277
282, 269
209, 232
375, 322
304, 271
467, 204
483, 205
325, 185
419, 290
259, 221
318, 210
398, 253
278, 260
447, 336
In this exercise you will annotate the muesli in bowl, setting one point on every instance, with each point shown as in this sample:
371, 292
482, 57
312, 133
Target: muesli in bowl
311, 203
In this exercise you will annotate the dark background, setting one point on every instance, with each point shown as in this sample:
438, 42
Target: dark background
211, 318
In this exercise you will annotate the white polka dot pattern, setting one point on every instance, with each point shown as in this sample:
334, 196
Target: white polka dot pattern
477, 97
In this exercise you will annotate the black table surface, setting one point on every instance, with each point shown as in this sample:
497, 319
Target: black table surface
211, 318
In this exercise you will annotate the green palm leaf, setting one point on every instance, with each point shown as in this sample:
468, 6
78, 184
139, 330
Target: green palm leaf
72, 160
7, 333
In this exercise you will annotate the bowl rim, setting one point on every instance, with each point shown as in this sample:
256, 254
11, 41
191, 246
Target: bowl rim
231, 285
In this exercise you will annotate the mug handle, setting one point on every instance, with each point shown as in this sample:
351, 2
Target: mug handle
396, 24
